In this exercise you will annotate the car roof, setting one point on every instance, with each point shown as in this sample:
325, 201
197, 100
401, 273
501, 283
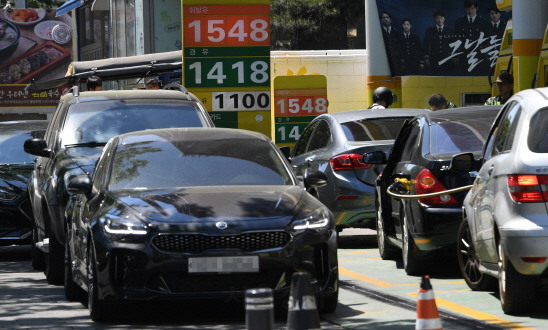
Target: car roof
460, 113
352, 115
131, 94
188, 134
532, 99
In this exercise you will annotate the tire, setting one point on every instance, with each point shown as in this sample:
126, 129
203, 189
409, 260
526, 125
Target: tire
98, 310
411, 264
516, 290
72, 291
469, 263
55, 260
386, 250
37, 256
328, 303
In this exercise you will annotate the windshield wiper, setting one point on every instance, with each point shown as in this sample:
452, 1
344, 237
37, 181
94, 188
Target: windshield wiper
87, 144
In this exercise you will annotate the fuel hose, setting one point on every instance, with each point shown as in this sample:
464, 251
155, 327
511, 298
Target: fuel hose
441, 193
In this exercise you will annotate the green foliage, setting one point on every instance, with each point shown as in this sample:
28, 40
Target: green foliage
312, 23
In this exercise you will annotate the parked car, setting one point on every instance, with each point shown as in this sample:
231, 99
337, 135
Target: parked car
422, 154
193, 213
80, 128
15, 169
334, 144
505, 228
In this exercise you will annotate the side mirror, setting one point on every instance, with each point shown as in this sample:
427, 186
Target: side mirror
285, 151
462, 162
37, 147
375, 158
313, 179
79, 185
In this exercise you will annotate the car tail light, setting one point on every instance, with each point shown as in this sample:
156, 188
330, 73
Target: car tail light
537, 260
427, 183
527, 188
347, 197
348, 162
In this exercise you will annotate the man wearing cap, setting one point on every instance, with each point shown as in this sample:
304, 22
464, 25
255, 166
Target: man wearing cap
505, 86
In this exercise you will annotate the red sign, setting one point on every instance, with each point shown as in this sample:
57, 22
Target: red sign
15, 96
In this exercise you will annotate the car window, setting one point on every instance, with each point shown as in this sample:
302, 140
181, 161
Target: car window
321, 137
100, 177
101, 120
226, 162
462, 135
373, 129
300, 147
12, 139
505, 134
51, 126
411, 144
537, 140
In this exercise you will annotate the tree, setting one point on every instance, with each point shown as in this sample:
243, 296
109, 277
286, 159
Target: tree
313, 24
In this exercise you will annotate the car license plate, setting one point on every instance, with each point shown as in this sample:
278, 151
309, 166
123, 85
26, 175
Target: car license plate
249, 264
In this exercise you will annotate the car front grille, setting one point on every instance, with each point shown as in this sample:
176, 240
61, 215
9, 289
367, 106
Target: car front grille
197, 243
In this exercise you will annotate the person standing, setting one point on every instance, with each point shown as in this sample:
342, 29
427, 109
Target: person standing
390, 38
496, 26
94, 84
439, 102
436, 45
383, 98
505, 86
469, 29
410, 58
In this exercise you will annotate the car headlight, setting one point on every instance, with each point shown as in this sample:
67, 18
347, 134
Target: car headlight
7, 195
316, 219
114, 227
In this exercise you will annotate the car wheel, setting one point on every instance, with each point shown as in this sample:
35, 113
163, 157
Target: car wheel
54, 260
37, 255
98, 310
516, 290
72, 291
469, 263
329, 302
386, 250
411, 264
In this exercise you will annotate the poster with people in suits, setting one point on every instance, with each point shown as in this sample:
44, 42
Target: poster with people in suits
442, 37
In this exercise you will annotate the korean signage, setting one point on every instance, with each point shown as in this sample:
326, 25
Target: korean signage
15, 96
297, 101
442, 37
226, 60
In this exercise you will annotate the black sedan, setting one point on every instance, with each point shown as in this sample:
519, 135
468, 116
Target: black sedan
422, 160
195, 213
15, 169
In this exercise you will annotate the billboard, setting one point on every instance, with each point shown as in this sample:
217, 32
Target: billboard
441, 37
34, 44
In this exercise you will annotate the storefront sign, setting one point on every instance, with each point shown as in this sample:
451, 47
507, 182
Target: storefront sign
15, 96
226, 59
297, 101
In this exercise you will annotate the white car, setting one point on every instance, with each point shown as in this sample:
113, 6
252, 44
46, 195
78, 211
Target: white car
504, 233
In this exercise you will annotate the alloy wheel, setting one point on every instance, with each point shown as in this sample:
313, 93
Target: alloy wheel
467, 257
380, 231
502, 275
405, 243
91, 284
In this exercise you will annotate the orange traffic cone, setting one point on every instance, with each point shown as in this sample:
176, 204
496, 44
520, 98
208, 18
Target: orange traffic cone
428, 317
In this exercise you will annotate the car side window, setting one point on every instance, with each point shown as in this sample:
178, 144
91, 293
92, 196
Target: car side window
321, 137
506, 130
300, 147
56, 125
50, 128
100, 176
411, 144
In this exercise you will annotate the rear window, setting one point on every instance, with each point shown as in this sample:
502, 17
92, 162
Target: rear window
373, 129
537, 140
466, 135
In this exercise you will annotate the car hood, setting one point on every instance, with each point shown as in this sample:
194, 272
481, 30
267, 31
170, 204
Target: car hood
14, 177
213, 203
84, 157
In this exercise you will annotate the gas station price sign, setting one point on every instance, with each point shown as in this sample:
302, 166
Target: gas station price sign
297, 101
226, 59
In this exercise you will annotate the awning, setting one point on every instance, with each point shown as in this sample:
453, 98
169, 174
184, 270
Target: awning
114, 69
70, 5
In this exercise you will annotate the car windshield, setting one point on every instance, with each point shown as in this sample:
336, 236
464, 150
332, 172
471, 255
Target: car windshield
537, 140
101, 120
463, 135
12, 139
228, 162
373, 129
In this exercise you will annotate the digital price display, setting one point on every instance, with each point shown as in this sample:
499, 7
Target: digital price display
297, 101
226, 60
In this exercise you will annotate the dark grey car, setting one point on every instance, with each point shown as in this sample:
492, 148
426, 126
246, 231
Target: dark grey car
334, 144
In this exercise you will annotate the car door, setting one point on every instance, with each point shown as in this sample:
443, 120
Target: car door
299, 152
489, 179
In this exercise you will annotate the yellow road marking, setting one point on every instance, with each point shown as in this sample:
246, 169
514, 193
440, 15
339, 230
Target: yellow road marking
442, 283
477, 314
376, 251
439, 291
382, 284
360, 259
423, 241
341, 217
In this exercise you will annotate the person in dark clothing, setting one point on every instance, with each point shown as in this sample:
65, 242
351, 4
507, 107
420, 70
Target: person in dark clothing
505, 86
94, 83
496, 26
410, 57
436, 45
390, 38
469, 29
439, 102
